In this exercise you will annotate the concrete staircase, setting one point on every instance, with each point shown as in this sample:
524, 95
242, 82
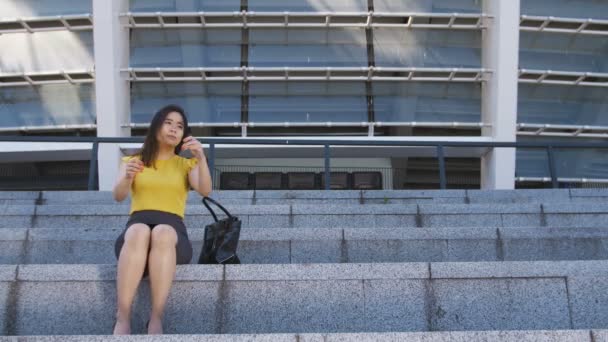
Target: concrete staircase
523, 265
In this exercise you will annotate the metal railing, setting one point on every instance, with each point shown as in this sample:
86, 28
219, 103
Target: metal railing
326, 143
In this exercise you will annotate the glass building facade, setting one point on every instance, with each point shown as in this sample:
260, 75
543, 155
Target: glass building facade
367, 69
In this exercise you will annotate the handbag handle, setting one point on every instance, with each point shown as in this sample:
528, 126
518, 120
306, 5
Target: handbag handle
208, 199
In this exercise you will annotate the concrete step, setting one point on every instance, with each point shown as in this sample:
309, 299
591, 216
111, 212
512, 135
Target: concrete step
317, 298
335, 196
327, 245
592, 214
456, 336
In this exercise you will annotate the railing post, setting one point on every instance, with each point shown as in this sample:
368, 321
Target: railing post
441, 158
327, 169
552, 169
93, 166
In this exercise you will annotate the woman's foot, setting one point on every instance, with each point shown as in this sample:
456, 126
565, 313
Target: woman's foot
122, 327
155, 326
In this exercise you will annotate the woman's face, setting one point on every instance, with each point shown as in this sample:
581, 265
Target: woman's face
171, 131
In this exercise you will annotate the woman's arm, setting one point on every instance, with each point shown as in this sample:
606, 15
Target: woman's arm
199, 177
126, 175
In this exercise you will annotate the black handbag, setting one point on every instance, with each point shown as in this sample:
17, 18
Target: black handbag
221, 238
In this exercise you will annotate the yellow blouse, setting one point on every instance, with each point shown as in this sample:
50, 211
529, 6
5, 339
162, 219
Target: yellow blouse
164, 188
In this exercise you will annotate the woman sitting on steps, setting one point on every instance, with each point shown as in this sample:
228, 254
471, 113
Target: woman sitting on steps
155, 238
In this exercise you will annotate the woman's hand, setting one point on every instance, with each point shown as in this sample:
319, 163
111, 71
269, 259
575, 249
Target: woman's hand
134, 166
195, 146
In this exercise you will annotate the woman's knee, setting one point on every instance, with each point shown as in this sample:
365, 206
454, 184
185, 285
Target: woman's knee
138, 234
164, 235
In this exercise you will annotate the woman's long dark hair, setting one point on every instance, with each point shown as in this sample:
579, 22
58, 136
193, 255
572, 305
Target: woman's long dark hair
149, 151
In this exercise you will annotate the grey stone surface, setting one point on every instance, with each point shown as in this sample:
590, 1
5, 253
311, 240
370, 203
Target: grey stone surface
19, 195
577, 220
555, 244
327, 272
91, 197
66, 273
456, 336
472, 250
588, 300
17, 210
599, 335
65, 308
270, 221
7, 305
83, 221
394, 305
423, 194
597, 207
320, 251
452, 336
379, 251
419, 233
23, 221
478, 220
294, 306
519, 269
334, 221
12, 245
600, 192
480, 209
82, 210
8, 272
397, 221
500, 304
340, 209
518, 196
521, 220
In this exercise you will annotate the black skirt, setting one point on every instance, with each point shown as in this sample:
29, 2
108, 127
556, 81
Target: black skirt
152, 218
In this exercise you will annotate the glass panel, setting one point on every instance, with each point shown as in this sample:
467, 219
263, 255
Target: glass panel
428, 6
203, 102
46, 51
41, 8
185, 48
308, 5
57, 104
427, 48
185, 6
597, 9
307, 48
569, 163
427, 102
565, 105
565, 52
307, 102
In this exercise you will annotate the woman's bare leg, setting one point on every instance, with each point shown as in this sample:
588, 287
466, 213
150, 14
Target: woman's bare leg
161, 265
131, 265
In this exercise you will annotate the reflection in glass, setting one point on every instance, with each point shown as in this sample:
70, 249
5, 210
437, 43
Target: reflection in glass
597, 9
43, 8
185, 6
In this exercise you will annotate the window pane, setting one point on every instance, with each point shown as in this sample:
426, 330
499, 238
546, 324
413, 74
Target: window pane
427, 102
546, 52
428, 6
427, 48
41, 8
565, 105
203, 102
185, 6
307, 102
307, 48
46, 51
597, 9
57, 104
569, 163
185, 48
